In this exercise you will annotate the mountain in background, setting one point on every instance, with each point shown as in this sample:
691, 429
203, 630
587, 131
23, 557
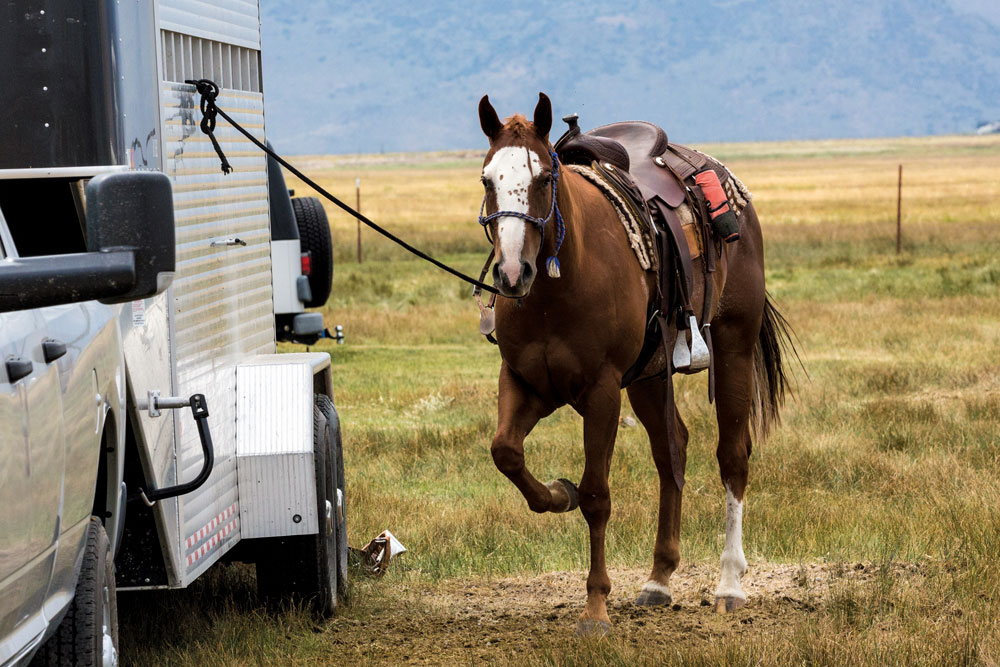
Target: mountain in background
388, 76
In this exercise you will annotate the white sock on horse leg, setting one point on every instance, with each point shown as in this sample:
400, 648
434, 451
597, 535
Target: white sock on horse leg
734, 563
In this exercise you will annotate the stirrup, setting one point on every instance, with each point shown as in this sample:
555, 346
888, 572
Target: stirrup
682, 355
699, 349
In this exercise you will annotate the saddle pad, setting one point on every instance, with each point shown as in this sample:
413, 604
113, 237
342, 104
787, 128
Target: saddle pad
642, 245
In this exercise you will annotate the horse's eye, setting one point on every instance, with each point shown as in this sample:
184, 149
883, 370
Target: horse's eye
486, 182
547, 179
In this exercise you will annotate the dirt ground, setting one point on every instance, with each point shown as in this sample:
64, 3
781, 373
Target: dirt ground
484, 621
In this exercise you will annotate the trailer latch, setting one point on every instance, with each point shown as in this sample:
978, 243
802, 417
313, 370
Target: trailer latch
199, 411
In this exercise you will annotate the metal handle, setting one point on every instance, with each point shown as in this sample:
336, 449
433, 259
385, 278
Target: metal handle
228, 242
199, 410
18, 368
52, 349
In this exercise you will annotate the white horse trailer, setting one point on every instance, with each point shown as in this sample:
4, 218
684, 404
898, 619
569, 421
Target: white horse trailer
95, 87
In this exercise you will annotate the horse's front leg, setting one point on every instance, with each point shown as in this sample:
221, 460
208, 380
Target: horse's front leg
600, 409
519, 409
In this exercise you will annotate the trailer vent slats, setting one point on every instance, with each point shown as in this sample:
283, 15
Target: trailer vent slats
188, 57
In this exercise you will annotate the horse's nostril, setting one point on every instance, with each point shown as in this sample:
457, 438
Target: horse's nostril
527, 272
498, 276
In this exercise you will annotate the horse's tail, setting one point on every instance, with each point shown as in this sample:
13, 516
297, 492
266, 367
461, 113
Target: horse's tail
770, 378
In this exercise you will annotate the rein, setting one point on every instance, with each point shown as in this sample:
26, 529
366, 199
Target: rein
552, 263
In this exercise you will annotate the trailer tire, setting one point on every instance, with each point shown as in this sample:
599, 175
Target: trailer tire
325, 405
314, 237
88, 633
303, 568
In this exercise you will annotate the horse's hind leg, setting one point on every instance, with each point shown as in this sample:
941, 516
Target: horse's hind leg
734, 388
648, 398
518, 412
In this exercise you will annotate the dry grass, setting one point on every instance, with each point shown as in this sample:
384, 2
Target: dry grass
888, 456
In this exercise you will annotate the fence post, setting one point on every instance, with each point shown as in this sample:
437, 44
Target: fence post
357, 190
899, 210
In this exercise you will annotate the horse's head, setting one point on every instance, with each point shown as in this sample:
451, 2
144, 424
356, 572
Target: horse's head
517, 176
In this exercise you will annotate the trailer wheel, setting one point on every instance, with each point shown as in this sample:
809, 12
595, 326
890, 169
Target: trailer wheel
314, 236
304, 567
88, 634
339, 508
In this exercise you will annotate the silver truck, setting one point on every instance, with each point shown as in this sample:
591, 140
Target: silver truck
148, 429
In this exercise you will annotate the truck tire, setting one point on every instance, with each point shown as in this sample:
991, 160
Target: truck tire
314, 236
303, 568
326, 406
88, 634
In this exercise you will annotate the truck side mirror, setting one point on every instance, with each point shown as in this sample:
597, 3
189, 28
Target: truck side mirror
134, 211
130, 241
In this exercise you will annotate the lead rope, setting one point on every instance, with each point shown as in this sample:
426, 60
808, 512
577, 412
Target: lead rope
209, 91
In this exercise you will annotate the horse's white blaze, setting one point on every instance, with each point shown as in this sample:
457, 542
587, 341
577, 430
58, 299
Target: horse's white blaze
734, 563
511, 231
510, 171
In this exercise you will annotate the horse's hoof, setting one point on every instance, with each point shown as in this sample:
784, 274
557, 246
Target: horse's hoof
654, 594
588, 627
564, 490
727, 604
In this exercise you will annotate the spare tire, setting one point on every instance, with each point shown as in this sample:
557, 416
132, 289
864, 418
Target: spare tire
314, 235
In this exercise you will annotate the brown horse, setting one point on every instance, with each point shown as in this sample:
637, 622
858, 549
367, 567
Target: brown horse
568, 336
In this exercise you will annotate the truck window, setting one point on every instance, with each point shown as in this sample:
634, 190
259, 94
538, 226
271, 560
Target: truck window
45, 216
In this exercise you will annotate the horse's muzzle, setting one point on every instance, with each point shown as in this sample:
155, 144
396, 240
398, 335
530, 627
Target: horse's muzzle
522, 281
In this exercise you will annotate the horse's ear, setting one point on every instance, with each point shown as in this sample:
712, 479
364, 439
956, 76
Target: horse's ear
488, 118
543, 116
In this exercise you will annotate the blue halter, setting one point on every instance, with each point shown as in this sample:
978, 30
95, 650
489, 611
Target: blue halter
552, 263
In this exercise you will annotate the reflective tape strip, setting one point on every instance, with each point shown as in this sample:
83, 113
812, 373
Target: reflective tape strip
205, 530
211, 544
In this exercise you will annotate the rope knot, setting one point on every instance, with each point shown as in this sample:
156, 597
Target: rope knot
209, 91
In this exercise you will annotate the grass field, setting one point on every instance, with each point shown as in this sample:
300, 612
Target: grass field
872, 521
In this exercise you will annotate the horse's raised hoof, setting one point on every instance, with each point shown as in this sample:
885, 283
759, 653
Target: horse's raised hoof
589, 627
565, 497
654, 594
728, 604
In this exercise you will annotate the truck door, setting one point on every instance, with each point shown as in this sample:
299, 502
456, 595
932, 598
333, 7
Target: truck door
83, 349
31, 467
31, 470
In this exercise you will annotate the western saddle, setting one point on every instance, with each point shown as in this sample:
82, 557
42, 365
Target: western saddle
657, 176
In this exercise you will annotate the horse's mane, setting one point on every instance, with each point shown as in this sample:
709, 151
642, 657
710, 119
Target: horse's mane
518, 125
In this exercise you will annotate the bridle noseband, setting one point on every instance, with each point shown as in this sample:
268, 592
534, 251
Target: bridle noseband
552, 263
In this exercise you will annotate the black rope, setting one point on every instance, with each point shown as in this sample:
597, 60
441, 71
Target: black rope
209, 91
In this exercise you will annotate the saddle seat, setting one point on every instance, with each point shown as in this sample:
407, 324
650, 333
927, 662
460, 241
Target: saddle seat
639, 148
646, 168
